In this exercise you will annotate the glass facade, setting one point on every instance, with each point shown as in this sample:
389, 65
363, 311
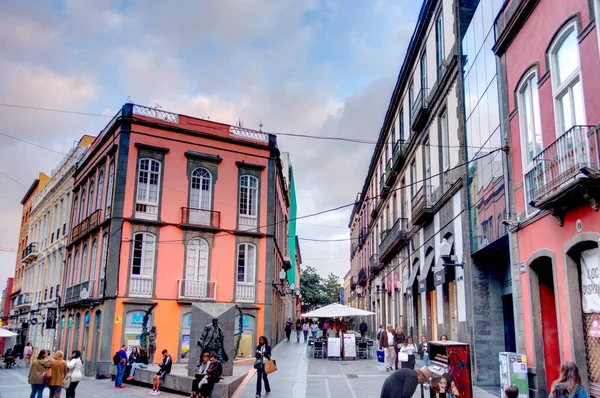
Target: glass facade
487, 205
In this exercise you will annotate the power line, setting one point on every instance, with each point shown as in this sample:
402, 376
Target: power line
12, 179
34, 144
37, 108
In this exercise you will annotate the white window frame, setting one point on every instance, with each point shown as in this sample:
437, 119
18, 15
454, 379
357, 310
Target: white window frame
597, 19
440, 47
90, 207
99, 191
147, 239
559, 90
109, 188
197, 257
196, 194
445, 140
248, 277
94, 254
82, 207
103, 263
84, 257
75, 267
249, 218
530, 80
148, 208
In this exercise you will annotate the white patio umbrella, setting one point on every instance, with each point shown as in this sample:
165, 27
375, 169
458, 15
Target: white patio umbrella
6, 333
336, 310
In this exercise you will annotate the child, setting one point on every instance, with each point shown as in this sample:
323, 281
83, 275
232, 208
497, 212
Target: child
511, 392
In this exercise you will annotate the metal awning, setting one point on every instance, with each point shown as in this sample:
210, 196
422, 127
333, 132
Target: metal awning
428, 264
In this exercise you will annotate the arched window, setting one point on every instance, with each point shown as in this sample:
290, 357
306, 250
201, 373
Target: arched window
103, 260
84, 257
196, 268
566, 80
75, 217
69, 265
99, 194
90, 207
248, 202
109, 187
93, 260
75, 268
82, 208
246, 262
200, 193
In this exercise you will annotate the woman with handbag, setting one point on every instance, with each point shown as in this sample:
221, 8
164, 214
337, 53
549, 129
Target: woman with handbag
213, 375
56, 374
200, 374
409, 349
263, 354
36, 374
74, 376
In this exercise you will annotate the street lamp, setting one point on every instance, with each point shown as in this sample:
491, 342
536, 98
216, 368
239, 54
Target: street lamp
448, 260
378, 289
281, 283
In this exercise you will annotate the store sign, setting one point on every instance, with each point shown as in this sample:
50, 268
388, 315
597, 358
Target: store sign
422, 286
590, 281
595, 328
51, 318
409, 292
135, 318
439, 277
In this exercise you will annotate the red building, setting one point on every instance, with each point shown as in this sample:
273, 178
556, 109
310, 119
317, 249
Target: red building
551, 102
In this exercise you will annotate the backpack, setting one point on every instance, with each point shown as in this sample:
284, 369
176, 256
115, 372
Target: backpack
379, 334
116, 358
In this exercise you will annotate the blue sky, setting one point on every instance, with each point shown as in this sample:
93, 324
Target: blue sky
317, 67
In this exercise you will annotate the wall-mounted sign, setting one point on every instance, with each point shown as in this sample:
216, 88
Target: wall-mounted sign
522, 267
409, 292
439, 277
422, 286
579, 225
118, 319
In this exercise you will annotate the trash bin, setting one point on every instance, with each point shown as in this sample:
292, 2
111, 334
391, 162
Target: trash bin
380, 356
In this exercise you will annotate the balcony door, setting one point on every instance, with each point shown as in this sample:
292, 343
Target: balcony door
200, 197
196, 269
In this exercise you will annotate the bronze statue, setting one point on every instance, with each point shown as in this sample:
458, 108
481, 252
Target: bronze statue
212, 341
152, 343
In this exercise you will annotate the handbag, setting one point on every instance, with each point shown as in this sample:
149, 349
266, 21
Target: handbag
67, 381
259, 363
48, 374
403, 357
270, 366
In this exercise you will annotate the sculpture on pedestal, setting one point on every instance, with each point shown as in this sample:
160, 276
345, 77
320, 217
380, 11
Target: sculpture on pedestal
212, 341
152, 344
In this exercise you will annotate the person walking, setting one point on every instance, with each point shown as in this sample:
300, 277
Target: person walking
305, 331
568, 384
363, 328
213, 375
387, 343
298, 330
402, 383
409, 348
263, 354
379, 331
120, 362
288, 328
424, 351
36, 374
400, 338
58, 371
18, 353
140, 362
314, 329
325, 328
28, 353
74, 365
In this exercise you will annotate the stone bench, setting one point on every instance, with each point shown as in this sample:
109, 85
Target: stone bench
182, 384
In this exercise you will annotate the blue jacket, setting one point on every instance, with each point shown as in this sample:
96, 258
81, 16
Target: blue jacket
561, 392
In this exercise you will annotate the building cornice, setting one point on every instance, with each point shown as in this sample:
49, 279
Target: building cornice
510, 21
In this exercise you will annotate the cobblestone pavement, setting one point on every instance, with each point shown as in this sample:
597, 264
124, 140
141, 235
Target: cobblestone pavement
13, 384
299, 377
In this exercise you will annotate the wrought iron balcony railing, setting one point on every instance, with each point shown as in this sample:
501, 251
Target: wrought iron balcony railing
419, 107
560, 162
374, 263
30, 252
422, 203
353, 282
399, 231
87, 225
192, 216
80, 292
362, 277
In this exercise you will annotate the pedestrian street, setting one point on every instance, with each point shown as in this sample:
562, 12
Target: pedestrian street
298, 376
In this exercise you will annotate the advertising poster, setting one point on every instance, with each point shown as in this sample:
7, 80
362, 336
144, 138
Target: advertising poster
333, 347
185, 346
349, 345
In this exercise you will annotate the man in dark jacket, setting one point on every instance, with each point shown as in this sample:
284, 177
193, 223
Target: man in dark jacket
402, 383
288, 328
363, 328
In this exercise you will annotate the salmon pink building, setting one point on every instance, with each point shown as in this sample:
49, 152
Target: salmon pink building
169, 210
549, 52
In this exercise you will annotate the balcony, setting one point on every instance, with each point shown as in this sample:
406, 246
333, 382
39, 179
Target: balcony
140, 286
420, 110
23, 300
384, 189
374, 263
397, 235
565, 174
362, 237
206, 218
78, 293
30, 253
396, 162
362, 277
353, 282
374, 207
193, 290
86, 226
422, 205
353, 248
287, 260
245, 292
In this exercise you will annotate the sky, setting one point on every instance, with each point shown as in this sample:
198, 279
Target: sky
313, 67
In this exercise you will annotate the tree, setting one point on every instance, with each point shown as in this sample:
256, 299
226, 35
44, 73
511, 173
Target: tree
331, 288
317, 292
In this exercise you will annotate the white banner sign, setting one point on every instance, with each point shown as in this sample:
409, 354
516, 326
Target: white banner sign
333, 347
590, 281
349, 345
